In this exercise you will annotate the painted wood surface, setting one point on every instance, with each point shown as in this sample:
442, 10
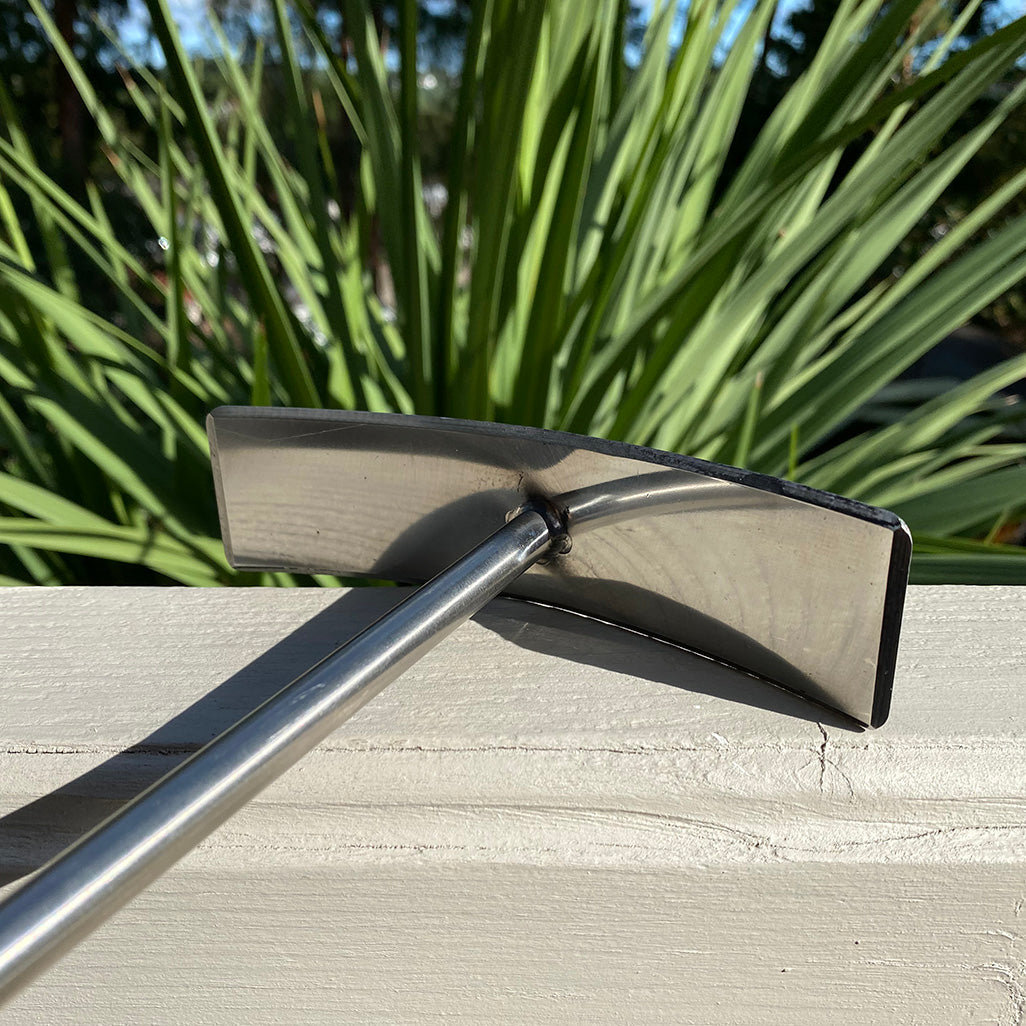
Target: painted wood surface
546, 821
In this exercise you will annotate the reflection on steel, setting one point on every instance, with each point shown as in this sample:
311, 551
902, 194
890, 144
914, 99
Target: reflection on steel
614, 502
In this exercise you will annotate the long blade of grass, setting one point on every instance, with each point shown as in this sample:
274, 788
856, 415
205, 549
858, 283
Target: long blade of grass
416, 300
282, 335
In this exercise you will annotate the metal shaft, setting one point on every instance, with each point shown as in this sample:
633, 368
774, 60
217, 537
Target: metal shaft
84, 885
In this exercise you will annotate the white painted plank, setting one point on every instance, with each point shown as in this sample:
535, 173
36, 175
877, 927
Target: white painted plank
547, 820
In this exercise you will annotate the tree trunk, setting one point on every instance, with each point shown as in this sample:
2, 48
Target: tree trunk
70, 111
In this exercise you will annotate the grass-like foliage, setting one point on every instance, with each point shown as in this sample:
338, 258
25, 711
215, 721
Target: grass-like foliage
594, 270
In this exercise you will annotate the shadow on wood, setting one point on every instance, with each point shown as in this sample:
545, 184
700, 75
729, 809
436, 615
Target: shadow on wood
582, 639
35, 833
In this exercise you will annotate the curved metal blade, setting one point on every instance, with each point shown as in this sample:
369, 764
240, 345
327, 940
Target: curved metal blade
795, 585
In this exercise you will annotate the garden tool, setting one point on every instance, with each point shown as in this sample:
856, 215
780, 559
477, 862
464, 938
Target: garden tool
802, 588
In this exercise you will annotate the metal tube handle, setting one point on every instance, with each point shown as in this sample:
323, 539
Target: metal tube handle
81, 887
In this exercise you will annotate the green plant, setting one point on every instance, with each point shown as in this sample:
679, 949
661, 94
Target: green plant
613, 283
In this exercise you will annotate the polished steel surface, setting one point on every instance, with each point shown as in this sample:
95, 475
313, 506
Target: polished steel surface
78, 890
797, 586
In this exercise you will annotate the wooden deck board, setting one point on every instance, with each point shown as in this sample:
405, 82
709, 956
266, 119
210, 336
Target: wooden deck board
547, 820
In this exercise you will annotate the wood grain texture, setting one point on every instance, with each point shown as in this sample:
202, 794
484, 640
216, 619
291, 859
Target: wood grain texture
547, 820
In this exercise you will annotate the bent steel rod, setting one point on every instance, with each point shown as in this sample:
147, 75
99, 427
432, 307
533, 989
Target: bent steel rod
84, 885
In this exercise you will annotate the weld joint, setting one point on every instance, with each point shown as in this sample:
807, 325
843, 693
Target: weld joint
556, 519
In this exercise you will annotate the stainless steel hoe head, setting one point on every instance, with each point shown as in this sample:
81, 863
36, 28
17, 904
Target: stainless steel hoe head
799, 587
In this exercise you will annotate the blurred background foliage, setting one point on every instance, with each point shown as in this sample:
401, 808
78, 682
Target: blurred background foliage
750, 231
